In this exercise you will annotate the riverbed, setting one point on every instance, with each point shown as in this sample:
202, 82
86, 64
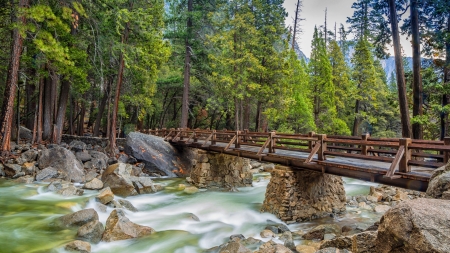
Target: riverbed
184, 222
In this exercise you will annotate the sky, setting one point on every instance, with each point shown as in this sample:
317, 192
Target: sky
313, 12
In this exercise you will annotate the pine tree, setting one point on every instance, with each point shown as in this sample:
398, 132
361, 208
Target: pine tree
322, 89
344, 89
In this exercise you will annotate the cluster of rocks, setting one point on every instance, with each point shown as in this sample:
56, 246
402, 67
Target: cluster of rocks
382, 198
91, 230
299, 195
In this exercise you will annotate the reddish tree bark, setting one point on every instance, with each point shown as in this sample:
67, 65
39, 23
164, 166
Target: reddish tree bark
112, 134
11, 86
417, 78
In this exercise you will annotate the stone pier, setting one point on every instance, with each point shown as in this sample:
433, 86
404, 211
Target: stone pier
300, 195
215, 170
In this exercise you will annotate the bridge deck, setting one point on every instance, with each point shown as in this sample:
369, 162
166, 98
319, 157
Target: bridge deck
390, 161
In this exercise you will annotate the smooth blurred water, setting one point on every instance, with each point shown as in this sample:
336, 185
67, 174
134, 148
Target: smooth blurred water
26, 212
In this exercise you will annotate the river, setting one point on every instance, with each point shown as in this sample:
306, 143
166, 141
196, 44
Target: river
27, 210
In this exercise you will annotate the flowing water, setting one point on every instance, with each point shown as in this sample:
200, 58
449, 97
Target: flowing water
27, 212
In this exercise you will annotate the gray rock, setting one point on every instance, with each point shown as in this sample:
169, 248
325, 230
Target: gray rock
439, 182
29, 156
47, 173
63, 160
233, 246
119, 227
131, 160
157, 155
122, 158
419, 225
13, 170
2, 170
267, 234
83, 156
344, 242
127, 204
364, 242
319, 232
91, 232
99, 160
91, 174
78, 218
117, 177
143, 185
55, 186
329, 236
272, 247
101, 207
114, 204
78, 246
238, 236
70, 191
94, 184
77, 146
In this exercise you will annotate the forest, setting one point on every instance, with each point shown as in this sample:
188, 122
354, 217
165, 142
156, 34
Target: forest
108, 67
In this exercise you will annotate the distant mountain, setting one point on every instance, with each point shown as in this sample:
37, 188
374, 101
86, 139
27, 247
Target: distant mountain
300, 53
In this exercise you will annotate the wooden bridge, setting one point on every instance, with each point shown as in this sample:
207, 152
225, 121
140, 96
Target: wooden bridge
400, 162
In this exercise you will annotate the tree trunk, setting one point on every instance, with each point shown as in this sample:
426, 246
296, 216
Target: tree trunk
258, 116
112, 134
404, 112
48, 108
296, 21
356, 121
80, 130
101, 109
246, 114
61, 113
417, 78
187, 71
40, 110
30, 89
446, 81
11, 86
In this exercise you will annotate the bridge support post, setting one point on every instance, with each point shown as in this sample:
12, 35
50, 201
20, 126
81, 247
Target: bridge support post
403, 166
301, 195
364, 147
213, 138
446, 153
237, 143
311, 143
272, 142
323, 147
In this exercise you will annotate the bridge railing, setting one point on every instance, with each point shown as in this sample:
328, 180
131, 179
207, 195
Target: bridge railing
401, 153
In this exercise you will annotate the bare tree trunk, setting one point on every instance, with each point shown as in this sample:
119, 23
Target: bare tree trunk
101, 109
246, 114
62, 105
356, 121
11, 86
187, 71
48, 108
112, 134
297, 19
41, 110
417, 78
30, 89
258, 116
404, 112
80, 130
445, 97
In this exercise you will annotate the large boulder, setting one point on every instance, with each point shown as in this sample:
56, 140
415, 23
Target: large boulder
157, 155
419, 225
439, 185
119, 227
118, 178
78, 218
13, 170
64, 161
91, 231
272, 247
